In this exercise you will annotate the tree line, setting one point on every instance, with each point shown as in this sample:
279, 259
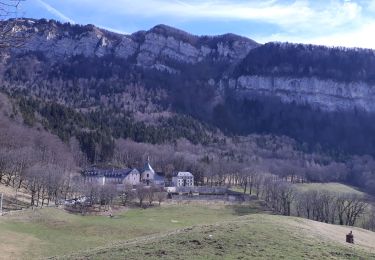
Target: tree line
36, 162
285, 198
306, 60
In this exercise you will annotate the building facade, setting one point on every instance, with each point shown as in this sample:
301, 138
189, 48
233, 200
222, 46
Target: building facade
132, 178
183, 179
146, 176
150, 177
113, 176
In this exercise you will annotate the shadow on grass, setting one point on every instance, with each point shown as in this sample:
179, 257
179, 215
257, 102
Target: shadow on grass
249, 208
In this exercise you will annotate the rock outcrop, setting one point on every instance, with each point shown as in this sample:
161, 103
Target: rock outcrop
150, 48
324, 94
170, 50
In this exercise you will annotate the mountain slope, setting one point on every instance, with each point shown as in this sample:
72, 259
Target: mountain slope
329, 78
322, 97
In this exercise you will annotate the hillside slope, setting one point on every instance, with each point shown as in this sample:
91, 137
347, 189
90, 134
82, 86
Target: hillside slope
256, 236
167, 79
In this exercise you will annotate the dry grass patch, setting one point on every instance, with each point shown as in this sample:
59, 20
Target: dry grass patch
255, 236
363, 239
15, 245
334, 187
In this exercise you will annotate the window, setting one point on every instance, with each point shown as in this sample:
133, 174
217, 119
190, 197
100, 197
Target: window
148, 175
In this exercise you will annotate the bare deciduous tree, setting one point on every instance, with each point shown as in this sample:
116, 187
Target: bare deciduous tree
127, 195
161, 196
9, 35
141, 192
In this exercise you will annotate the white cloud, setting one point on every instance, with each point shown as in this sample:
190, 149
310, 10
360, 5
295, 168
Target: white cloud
330, 22
112, 29
297, 18
54, 11
362, 37
299, 13
371, 5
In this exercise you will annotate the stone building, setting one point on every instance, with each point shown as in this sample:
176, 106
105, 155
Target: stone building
113, 176
132, 177
183, 179
149, 176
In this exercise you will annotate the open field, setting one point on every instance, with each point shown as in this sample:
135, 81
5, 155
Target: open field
331, 186
50, 231
177, 231
256, 236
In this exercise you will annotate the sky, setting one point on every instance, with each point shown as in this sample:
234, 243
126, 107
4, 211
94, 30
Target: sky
346, 23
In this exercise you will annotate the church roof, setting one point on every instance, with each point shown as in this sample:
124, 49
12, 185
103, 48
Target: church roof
148, 168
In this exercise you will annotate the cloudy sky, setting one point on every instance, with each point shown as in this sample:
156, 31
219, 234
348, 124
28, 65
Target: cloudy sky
330, 22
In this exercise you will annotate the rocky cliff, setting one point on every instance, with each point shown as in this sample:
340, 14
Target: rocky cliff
292, 78
326, 95
149, 48
163, 84
331, 79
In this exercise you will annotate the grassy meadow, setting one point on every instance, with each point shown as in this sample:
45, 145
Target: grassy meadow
50, 231
256, 236
331, 187
183, 230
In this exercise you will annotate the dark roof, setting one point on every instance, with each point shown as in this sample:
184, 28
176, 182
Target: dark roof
159, 176
147, 168
182, 174
112, 173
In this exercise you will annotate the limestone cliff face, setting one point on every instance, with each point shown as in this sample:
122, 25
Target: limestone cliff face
166, 42
170, 50
150, 48
324, 94
56, 41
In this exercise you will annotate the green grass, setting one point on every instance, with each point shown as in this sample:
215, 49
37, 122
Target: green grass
332, 187
52, 231
238, 189
256, 236
178, 231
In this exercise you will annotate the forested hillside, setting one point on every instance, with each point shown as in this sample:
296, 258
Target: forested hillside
224, 97
300, 60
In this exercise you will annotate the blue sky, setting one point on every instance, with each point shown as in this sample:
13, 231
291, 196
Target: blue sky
329, 22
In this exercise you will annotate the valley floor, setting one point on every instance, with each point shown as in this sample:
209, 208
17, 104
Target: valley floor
49, 231
178, 231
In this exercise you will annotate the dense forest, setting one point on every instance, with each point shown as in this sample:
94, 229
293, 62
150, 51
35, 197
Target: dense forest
336, 133
123, 95
97, 130
300, 60
185, 94
211, 156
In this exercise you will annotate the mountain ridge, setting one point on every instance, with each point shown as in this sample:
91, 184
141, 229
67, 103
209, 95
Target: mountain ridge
226, 81
89, 40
